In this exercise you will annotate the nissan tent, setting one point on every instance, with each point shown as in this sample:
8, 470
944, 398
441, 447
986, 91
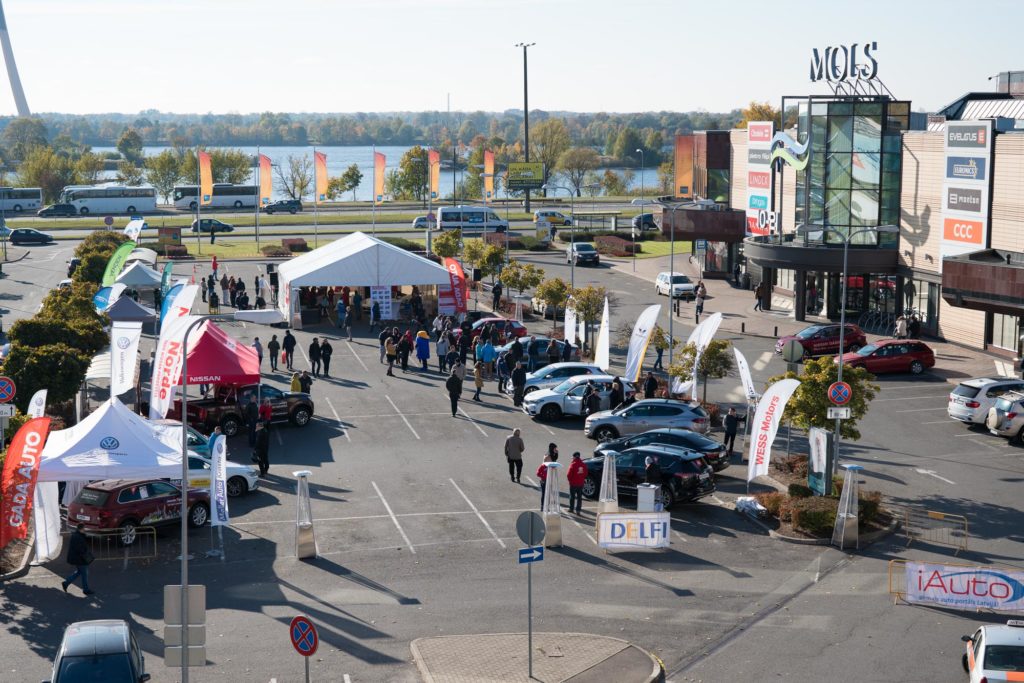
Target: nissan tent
216, 358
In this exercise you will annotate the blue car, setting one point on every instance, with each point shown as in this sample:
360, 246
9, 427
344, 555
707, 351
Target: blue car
197, 443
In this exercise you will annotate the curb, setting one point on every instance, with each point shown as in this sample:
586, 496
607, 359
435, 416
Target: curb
866, 539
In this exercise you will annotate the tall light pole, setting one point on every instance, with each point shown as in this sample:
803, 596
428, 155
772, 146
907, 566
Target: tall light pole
642, 193
672, 273
526, 113
572, 229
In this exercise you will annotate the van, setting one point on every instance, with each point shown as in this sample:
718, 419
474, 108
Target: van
470, 219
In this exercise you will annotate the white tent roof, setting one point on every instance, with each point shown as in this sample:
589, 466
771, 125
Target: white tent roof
361, 260
138, 274
111, 443
142, 254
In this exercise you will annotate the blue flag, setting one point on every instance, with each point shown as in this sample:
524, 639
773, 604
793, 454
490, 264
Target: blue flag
101, 299
172, 293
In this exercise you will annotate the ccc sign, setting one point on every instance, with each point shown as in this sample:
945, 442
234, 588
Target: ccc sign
959, 230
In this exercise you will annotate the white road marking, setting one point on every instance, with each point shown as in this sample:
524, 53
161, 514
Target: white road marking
393, 518
402, 416
280, 441
302, 351
366, 369
478, 428
931, 473
346, 679
365, 517
762, 361
589, 535
919, 410
680, 536
950, 421
343, 429
532, 482
478, 515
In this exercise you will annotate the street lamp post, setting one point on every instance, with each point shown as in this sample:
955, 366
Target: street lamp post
672, 272
572, 229
526, 113
642, 196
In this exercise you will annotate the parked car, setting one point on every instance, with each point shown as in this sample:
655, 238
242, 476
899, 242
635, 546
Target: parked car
567, 398
972, 398
686, 475
650, 413
679, 284
226, 408
712, 451
241, 479
101, 650
582, 253
127, 504
995, 652
212, 225
65, 285
821, 340
538, 349
198, 442
892, 355
29, 236
551, 216
1006, 416
641, 201
421, 223
57, 210
73, 265
554, 374
291, 206
644, 221
508, 329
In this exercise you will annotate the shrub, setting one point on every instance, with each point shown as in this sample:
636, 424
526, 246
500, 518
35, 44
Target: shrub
800, 491
714, 413
816, 516
531, 244
293, 244
275, 250
616, 246
772, 501
869, 506
176, 251
795, 465
403, 243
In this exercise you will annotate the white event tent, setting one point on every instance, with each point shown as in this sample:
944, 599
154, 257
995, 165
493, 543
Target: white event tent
139, 275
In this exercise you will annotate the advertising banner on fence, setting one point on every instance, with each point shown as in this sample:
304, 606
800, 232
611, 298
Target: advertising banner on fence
633, 529
639, 340
759, 173
218, 482
766, 423
124, 348
18, 480
382, 295
964, 587
965, 192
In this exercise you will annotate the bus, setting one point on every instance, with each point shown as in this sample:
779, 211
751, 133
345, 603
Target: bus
20, 198
225, 195
104, 199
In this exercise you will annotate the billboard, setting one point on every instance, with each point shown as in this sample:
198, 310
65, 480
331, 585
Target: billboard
759, 174
525, 176
965, 190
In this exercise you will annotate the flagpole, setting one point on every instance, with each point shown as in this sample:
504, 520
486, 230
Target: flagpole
373, 194
259, 197
199, 202
316, 203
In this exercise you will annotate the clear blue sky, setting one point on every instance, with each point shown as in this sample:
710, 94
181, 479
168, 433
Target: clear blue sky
222, 56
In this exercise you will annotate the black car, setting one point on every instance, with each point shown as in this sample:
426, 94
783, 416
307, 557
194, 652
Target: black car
712, 451
290, 205
212, 225
29, 236
73, 265
101, 650
57, 210
645, 221
686, 476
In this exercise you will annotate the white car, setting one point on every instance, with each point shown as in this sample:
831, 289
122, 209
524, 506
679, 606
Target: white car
995, 652
641, 201
677, 283
552, 375
971, 400
567, 397
241, 478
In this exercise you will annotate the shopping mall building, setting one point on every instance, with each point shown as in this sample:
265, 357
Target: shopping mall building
849, 162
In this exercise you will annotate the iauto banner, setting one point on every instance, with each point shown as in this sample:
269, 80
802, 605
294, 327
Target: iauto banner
452, 299
964, 587
18, 482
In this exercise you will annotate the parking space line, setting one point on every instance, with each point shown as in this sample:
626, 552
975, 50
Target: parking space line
302, 351
346, 678
950, 421
479, 516
762, 361
580, 526
919, 410
406, 421
393, 518
336, 417
366, 369
277, 433
478, 428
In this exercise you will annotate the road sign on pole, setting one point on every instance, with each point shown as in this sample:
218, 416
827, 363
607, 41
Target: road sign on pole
304, 639
530, 527
792, 351
8, 390
531, 530
839, 413
840, 393
528, 555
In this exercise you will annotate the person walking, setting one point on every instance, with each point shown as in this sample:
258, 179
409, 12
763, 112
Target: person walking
659, 352
214, 265
478, 378
314, 357
454, 386
404, 349
350, 315
542, 471
273, 348
501, 367
266, 413
306, 382
202, 290
259, 353
488, 354
514, 448
731, 422
326, 351
356, 307
518, 384
252, 416
496, 296
901, 327
442, 351
758, 296
423, 348
464, 345
650, 385
340, 310
289, 349
698, 305
391, 351
232, 289
576, 476
381, 339
261, 449
80, 557
296, 385
914, 326
736, 275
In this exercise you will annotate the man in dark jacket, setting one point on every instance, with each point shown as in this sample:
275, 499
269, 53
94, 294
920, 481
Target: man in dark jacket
566, 352
454, 386
652, 471
650, 385
516, 351
252, 416
731, 422
261, 449
518, 383
326, 351
79, 557
591, 399
305, 382
314, 357
289, 348
274, 348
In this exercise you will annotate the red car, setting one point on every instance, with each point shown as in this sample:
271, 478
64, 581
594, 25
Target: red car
127, 504
892, 355
822, 340
507, 329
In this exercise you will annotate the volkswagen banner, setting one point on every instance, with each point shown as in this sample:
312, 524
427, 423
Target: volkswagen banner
219, 482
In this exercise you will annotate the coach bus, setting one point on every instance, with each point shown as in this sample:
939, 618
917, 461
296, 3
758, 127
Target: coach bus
225, 195
20, 198
105, 199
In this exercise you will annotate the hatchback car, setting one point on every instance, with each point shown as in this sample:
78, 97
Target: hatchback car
1006, 416
535, 351
644, 221
892, 355
291, 206
553, 217
29, 236
972, 398
680, 286
995, 652
55, 210
686, 476
821, 340
127, 504
102, 650
556, 373
712, 451
650, 413
567, 398
212, 225
582, 253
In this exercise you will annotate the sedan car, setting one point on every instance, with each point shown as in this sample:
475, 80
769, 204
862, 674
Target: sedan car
680, 286
127, 504
645, 221
241, 478
686, 475
892, 355
198, 442
554, 374
1006, 417
972, 398
54, 210
567, 397
282, 206
29, 236
582, 253
535, 351
100, 650
821, 340
550, 216
712, 451
212, 225
995, 652
642, 416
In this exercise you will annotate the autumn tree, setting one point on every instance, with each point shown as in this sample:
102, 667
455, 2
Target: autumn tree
446, 245
346, 182
89, 168
295, 176
758, 111
554, 293
666, 177
45, 169
808, 407
163, 171
130, 146
22, 135
413, 177
626, 144
128, 173
588, 303
487, 257
548, 140
521, 276
575, 163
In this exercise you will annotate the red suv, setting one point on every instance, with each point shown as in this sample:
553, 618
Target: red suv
823, 340
892, 355
127, 504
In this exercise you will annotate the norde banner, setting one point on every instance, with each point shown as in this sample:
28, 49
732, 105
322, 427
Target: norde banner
218, 482
167, 368
124, 347
967, 588
639, 340
766, 424
18, 480
633, 529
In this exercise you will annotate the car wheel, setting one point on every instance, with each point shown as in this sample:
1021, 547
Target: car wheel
292, 211
916, 368
198, 515
84, 211
300, 417
230, 425
550, 412
590, 487
129, 532
131, 209
529, 390
668, 499
237, 486
606, 433
17, 207
238, 204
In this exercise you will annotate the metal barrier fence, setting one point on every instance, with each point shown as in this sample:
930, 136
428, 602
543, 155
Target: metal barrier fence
108, 544
928, 526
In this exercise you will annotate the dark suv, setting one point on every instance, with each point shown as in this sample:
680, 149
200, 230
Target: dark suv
685, 475
101, 650
54, 210
212, 225
712, 451
282, 205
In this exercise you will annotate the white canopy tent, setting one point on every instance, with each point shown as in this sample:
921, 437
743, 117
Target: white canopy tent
147, 256
139, 275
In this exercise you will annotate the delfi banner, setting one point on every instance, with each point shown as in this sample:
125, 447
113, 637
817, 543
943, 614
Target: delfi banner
639, 340
759, 174
124, 348
965, 587
745, 378
434, 161
602, 357
319, 177
633, 529
379, 170
167, 365
488, 175
205, 179
219, 481
766, 423
116, 263
18, 480
266, 180
684, 165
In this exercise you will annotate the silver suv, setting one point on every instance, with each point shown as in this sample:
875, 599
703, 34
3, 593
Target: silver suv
651, 413
1006, 417
554, 374
972, 398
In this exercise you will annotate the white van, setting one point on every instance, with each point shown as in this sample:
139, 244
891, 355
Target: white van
470, 219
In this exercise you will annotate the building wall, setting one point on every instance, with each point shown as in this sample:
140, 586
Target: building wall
738, 170
921, 202
1008, 193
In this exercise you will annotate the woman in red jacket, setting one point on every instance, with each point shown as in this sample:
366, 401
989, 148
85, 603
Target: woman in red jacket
266, 412
576, 475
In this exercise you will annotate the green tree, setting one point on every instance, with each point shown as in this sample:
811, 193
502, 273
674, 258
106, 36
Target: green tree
88, 168
446, 245
163, 171
472, 179
716, 362
554, 293
45, 169
652, 147
295, 176
576, 163
22, 135
548, 140
612, 183
230, 166
626, 144
666, 177
588, 302
661, 340
130, 146
413, 178
83, 333
59, 368
521, 276
128, 173
487, 257
809, 404
758, 111
346, 182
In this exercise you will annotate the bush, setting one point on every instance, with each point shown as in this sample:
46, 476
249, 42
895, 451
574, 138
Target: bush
403, 243
772, 501
795, 465
176, 251
800, 491
714, 413
869, 507
293, 244
616, 246
816, 516
275, 250
531, 244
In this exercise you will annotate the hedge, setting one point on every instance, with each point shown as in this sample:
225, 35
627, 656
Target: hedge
616, 246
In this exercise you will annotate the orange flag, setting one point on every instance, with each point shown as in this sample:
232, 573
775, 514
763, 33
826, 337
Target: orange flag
434, 161
378, 178
18, 481
266, 179
488, 175
205, 179
319, 177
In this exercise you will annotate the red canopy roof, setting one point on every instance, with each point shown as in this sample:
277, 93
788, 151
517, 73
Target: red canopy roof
214, 357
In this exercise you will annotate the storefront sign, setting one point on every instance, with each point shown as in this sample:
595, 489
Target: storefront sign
963, 199
633, 529
759, 173
967, 168
845, 63
964, 587
965, 193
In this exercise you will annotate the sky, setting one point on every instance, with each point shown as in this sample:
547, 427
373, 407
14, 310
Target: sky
222, 56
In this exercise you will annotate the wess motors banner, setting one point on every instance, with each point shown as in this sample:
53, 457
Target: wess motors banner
452, 299
319, 177
766, 423
124, 346
639, 340
167, 368
965, 588
218, 482
116, 263
18, 481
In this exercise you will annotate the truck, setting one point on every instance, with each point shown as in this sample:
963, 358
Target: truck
226, 407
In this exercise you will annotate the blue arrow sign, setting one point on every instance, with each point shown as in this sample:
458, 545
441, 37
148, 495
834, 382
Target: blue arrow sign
528, 555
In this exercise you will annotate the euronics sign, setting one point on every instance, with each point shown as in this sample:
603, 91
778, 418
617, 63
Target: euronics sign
633, 529
525, 176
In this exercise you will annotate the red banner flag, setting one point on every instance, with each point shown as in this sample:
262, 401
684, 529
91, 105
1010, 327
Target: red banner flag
266, 180
319, 177
488, 175
378, 177
459, 286
18, 482
205, 179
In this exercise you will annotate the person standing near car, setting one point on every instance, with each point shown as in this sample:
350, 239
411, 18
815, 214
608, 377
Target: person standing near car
731, 421
650, 385
289, 349
553, 352
261, 449
305, 382
273, 348
617, 395
514, 448
79, 557
454, 387
652, 471
266, 412
252, 416
518, 384
576, 475
326, 350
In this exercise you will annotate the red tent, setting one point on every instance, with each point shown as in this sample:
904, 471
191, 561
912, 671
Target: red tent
216, 358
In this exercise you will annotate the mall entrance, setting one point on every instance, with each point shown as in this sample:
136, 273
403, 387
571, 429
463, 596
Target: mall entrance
870, 299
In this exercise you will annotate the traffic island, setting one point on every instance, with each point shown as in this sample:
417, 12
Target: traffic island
557, 657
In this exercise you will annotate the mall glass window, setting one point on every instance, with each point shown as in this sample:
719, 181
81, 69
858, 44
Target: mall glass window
922, 299
785, 279
1005, 331
718, 184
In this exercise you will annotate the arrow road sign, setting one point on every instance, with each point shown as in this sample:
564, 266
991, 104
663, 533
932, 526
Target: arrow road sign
528, 555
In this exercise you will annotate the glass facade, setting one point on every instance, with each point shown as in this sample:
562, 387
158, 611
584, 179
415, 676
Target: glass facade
922, 299
1005, 331
718, 185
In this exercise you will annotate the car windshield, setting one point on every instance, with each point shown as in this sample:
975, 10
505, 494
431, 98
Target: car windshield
95, 497
867, 350
809, 332
680, 280
1004, 658
584, 247
564, 386
95, 669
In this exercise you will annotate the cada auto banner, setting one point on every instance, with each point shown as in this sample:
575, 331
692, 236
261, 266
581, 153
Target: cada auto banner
965, 587
18, 480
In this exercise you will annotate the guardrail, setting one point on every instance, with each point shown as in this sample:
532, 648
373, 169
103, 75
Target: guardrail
110, 544
929, 526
